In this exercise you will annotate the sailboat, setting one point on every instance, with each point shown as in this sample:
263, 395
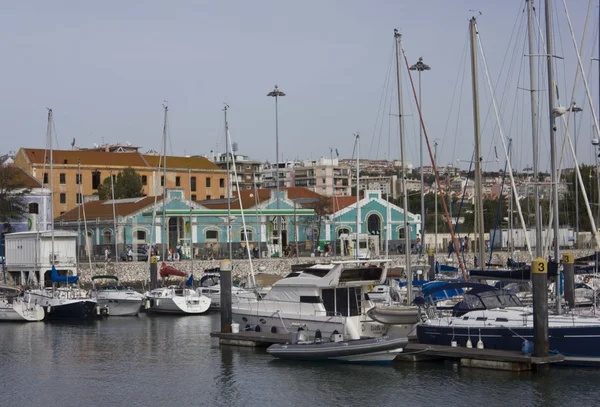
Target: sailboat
62, 302
173, 299
497, 317
15, 308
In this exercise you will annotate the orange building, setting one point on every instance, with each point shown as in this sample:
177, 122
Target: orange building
197, 176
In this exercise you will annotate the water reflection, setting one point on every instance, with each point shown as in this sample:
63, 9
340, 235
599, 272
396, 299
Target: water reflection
165, 360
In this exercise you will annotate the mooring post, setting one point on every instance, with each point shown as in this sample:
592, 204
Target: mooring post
431, 261
568, 261
153, 273
539, 279
226, 268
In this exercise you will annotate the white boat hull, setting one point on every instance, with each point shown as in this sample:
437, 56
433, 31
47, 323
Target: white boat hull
358, 327
179, 305
121, 307
20, 310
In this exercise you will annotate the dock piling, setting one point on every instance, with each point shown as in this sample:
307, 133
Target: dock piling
431, 261
539, 279
226, 317
568, 261
153, 273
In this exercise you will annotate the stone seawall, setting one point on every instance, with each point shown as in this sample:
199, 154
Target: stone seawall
138, 273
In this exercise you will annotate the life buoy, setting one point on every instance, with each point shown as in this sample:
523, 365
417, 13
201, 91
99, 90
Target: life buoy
586, 279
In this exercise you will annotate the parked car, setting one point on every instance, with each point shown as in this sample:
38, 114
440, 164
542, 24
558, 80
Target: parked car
135, 255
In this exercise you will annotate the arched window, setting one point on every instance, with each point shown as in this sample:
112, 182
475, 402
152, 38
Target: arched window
211, 235
374, 224
107, 236
342, 231
246, 235
34, 207
401, 232
140, 235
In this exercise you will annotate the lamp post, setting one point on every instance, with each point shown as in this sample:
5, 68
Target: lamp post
420, 66
276, 93
575, 109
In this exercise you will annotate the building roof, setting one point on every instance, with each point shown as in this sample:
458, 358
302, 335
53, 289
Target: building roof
22, 179
249, 198
104, 209
195, 163
342, 202
88, 158
117, 159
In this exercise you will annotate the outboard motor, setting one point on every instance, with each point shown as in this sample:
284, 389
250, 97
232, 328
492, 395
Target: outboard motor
318, 336
299, 337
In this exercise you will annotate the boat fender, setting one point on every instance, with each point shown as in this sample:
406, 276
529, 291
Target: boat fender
97, 310
147, 304
527, 347
586, 279
157, 303
49, 308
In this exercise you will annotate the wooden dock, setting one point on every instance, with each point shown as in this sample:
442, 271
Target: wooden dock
481, 358
417, 352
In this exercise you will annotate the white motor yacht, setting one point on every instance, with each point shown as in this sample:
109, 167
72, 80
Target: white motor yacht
118, 299
15, 308
325, 297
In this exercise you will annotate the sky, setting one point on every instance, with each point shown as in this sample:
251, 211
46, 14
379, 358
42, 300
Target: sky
106, 68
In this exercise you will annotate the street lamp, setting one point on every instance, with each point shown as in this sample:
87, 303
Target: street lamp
420, 66
575, 109
276, 93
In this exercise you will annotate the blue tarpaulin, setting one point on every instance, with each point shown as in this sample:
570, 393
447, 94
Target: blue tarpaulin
63, 279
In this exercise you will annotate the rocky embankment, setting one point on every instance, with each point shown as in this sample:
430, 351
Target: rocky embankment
138, 273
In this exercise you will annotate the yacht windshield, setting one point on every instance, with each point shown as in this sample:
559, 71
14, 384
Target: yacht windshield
499, 299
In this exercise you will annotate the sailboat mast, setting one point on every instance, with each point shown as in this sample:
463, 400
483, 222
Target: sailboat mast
357, 248
478, 194
164, 189
228, 158
553, 172
407, 248
534, 131
49, 133
79, 196
191, 229
115, 234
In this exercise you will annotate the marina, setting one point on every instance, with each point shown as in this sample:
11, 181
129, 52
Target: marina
447, 254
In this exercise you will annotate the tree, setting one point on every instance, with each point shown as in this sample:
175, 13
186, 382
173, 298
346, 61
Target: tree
12, 196
127, 184
322, 208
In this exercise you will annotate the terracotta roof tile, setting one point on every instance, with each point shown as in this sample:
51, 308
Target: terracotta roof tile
99, 158
195, 163
104, 209
249, 200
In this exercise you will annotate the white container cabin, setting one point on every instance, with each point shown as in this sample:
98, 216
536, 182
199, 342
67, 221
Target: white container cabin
28, 256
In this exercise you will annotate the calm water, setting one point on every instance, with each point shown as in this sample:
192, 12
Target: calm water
171, 361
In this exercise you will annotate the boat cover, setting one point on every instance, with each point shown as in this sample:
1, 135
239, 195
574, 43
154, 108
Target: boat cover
166, 271
62, 279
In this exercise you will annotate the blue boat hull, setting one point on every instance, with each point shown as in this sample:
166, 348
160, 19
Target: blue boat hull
579, 345
76, 311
